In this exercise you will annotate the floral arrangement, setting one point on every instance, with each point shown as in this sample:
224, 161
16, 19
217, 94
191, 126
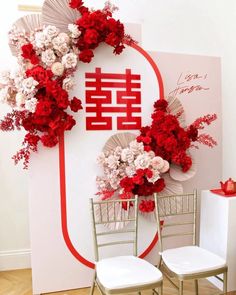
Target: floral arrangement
38, 91
157, 160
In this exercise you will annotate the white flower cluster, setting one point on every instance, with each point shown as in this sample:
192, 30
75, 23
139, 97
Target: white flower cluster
120, 162
17, 90
55, 50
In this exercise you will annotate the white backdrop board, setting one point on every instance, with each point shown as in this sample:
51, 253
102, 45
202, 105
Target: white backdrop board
63, 178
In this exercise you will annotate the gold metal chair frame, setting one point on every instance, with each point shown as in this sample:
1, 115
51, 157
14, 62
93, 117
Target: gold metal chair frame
104, 217
177, 205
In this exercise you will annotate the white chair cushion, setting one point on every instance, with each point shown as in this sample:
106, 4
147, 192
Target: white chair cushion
191, 260
126, 271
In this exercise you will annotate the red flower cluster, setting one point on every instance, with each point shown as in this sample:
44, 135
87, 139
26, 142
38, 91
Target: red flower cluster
139, 184
147, 206
96, 27
168, 139
29, 53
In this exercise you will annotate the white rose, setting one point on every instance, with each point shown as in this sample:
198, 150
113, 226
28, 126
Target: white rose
130, 170
28, 85
57, 69
136, 147
69, 60
142, 161
51, 31
157, 163
166, 167
127, 155
112, 162
155, 176
20, 99
41, 40
68, 83
75, 32
48, 57
30, 105
5, 77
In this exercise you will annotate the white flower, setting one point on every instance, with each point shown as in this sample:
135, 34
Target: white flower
157, 163
69, 60
75, 32
101, 159
136, 147
166, 167
155, 176
127, 155
112, 162
5, 77
118, 151
57, 69
48, 57
51, 31
30, 105
101, 183
130, 170
42, 40
4, 95
142, 161
68, 83
28, 85
20, 99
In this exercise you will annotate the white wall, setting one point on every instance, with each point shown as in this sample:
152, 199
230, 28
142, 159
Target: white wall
205, 27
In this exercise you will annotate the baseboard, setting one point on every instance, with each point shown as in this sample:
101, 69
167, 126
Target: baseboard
15, 259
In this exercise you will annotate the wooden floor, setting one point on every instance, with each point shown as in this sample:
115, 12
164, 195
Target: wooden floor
18, 282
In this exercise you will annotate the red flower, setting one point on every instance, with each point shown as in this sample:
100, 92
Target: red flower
161, 105
192, 133
159, 185
112, 39
40, 75
91, 36
119, 49
32, 139
147, 206
170, 144
49, 140
69, 122
76, 4
127, 184
76, 104
28, 52
138, 179
43, 108
86, 55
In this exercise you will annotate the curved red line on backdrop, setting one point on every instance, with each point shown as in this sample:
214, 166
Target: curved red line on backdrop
65, 232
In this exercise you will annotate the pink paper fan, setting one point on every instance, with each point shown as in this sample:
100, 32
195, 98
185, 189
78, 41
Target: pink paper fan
176, 172
119, 139
58, 13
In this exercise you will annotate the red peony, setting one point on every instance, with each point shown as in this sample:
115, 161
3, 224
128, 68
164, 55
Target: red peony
86, 55
91, 36
76, 104
76, 4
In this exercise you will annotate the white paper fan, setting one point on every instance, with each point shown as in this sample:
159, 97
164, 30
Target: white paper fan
27, 23
119, 139
172, 187
58, 13
175, 107
176, 172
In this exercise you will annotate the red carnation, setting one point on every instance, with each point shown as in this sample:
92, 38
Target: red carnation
112, 39
69, 122
43, 108
76, 104
118, 49
161, 105
49, 140
40, 75
76, 4
86, 55
91, 36
127, 184
170, 144
159, 185
28, 52
147, 206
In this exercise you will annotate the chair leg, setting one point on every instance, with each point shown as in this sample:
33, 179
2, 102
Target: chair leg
160, 289
196, 286
181, 287
93, 285
225, 282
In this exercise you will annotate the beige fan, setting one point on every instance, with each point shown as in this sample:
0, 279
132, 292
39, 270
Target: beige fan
172, 187
175, 107
58, 13
176, 172
27, 23
119, 139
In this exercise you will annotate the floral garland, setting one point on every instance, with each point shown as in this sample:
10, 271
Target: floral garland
38, 92
141, 167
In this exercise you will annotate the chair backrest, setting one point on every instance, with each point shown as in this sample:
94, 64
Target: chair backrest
113, 214
178, 206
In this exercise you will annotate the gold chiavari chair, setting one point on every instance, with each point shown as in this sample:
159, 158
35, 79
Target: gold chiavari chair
179, 213
120, 274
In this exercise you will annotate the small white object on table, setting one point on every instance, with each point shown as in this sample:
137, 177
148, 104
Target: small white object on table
218, 231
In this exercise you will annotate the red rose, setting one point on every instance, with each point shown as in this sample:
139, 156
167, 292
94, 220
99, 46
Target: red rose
49, 140
76, 104
91, 36
86, 55
127, 184
76, 4
43, 108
